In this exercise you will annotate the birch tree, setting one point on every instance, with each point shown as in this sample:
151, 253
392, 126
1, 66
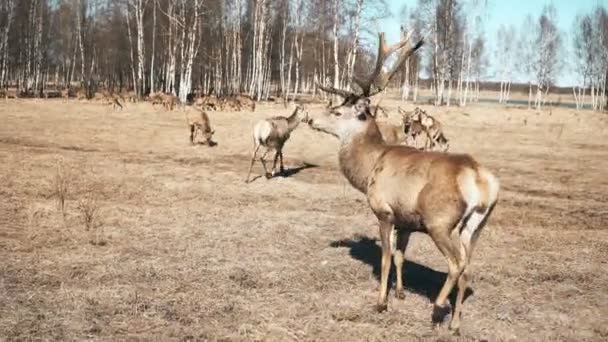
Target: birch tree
548, 43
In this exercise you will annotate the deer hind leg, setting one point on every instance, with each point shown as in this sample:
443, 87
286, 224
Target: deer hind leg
192, 134
274, 163
282, 166
452, 253
386, 230
255, 151
468, 238
266, 173
399, 255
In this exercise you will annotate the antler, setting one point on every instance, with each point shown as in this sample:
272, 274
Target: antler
332, 90
381, 76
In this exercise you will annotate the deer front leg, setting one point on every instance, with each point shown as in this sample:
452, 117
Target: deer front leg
402, 240
192, 134
385, 236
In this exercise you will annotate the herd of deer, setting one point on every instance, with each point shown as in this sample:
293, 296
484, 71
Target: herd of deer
445, 195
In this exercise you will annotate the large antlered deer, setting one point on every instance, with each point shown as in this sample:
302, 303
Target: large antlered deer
448, 196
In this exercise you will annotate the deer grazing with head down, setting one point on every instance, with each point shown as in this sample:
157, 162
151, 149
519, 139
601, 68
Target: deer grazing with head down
273, 133
447, 196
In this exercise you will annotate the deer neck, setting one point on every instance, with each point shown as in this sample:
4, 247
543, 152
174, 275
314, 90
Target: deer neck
293, 121
358, 155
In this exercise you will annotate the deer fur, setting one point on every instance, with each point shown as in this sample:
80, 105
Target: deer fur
198, 121
447, 196
391, 134
273, 133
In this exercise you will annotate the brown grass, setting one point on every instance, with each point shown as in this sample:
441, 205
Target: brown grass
189, 252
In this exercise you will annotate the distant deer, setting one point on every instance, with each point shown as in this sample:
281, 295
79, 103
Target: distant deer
447, 196
420, 123
169, 101
198, 121
273, 133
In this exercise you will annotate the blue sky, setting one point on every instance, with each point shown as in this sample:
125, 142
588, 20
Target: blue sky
511, 12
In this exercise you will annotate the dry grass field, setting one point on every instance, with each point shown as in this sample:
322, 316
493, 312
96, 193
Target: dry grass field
160, 240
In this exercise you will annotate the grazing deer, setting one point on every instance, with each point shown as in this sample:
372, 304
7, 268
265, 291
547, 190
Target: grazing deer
231, 103
65, 94
447, 196
81, 95
198, 120
272, 133
169, 101
419, 122
109, 99
130, 96
210, 102
246, 101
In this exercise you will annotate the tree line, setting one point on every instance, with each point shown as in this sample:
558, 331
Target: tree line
283, 47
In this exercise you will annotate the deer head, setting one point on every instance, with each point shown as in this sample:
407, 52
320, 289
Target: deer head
353, 114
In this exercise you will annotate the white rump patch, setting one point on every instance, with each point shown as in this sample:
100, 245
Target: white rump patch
469, 190
471, 226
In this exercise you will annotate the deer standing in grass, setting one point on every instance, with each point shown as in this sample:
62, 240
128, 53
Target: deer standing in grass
418, 123
447, 196
273, 133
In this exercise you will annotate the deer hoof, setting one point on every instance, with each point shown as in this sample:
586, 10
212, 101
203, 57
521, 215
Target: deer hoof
454, 328
400, 294
268, 175
380, 307
440, 313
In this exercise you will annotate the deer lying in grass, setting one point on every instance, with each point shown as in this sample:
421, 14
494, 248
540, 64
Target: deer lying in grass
198, 121
272, 133
420, 123
447, 196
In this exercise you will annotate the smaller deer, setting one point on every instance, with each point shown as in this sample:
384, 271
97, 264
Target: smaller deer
272, 133
65, 94
169, 101
420, 122
198, 120
246, 101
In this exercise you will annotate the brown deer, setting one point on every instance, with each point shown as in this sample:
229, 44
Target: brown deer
246, 102
420, 123
273, 133
169, 101
65, 94
198, 121
447, 196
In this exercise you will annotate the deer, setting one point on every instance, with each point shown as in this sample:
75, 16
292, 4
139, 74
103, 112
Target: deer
169, 101
447, 196
420, 122
246, 101
273, 133
198, 120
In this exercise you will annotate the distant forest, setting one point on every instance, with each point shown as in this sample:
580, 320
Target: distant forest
283, 47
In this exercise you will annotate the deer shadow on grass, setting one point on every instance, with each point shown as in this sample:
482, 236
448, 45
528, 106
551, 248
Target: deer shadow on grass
288, 172
295, 170
417, 278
